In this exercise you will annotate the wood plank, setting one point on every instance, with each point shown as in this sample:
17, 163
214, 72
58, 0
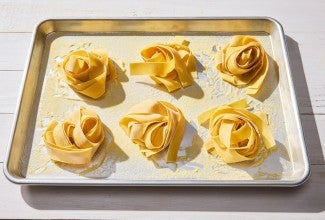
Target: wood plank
14, 50
314, 127
9, 93
306, 65
9, 89
164, 202
5, 129
305, 38
307, 74
31, 13
303, 21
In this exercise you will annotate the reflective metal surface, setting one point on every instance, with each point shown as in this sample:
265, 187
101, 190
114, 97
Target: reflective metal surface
18, 154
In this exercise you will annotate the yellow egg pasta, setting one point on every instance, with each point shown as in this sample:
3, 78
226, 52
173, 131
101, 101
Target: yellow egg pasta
75, 140
171, 65
236, 133
87, 72
243, 62
155, 126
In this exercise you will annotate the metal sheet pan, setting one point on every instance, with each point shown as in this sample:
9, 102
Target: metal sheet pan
26, 161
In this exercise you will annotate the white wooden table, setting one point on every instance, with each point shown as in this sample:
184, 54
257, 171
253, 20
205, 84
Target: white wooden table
303, 22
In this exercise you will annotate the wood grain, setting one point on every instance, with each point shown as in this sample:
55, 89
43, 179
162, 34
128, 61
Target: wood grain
9, 90
311, 99
101, 202
303, 23
13, 50
5, 130
309, 82
311, 124
315, 142
14, 13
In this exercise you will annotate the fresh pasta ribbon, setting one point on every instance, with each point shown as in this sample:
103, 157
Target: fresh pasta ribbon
155, 126
243, 62
236, 133
172, 65
75, 140
87, 72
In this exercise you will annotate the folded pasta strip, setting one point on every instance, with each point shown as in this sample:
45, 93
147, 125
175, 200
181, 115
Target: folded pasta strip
172, 65
155, 126
87, 72
75, 140
236, 133
243, 62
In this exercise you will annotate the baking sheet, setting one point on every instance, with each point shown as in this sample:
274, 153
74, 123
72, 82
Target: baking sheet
124, 162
